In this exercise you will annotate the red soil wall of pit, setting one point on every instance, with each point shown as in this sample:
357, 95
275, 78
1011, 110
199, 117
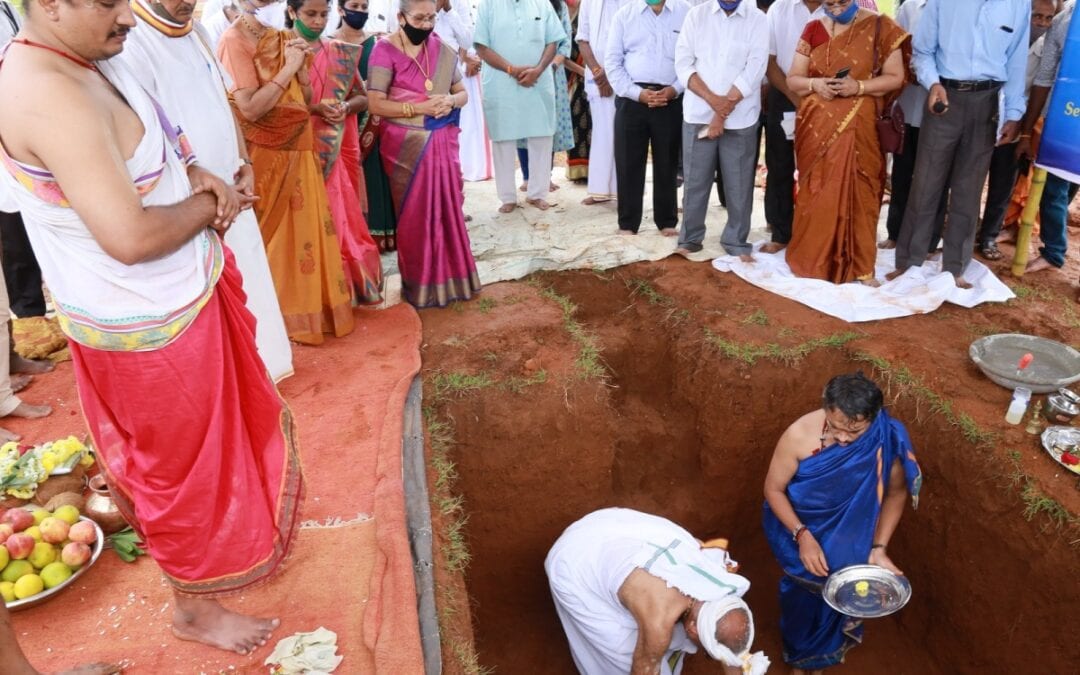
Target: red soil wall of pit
681, 432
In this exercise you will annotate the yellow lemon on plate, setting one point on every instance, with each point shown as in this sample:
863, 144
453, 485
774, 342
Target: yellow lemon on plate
862, 589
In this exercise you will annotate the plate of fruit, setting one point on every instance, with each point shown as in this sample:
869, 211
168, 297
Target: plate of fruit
42, 552
1063, 444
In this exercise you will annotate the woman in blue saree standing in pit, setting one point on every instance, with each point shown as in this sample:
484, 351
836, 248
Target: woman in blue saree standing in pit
834, 494
414, 85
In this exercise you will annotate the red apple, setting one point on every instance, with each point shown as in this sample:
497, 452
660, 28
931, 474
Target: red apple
75, 554
83, 532
6, 530
20, 546
19, 519
53, 530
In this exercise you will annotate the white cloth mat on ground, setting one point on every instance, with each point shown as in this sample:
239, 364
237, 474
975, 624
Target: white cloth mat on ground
918, 291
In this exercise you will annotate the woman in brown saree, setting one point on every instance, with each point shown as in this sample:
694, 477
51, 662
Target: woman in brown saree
840, 161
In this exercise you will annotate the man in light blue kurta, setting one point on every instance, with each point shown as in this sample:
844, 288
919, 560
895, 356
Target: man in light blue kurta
517, 39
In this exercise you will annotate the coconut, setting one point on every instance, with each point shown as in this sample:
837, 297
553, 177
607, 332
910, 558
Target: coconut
56, 485
66, 499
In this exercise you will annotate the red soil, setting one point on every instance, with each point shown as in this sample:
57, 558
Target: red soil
679, 430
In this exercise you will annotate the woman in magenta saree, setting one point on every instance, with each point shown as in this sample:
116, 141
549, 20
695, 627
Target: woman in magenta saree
336, 97
414, 85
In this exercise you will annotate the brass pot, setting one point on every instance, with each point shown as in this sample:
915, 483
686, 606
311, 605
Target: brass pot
101, 508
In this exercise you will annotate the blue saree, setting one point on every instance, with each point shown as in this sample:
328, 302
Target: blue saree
837, 494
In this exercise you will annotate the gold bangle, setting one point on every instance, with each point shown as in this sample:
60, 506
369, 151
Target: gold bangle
862, 88
1024, 136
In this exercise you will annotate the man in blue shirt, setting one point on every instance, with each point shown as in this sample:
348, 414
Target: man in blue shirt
966, 53
640, 62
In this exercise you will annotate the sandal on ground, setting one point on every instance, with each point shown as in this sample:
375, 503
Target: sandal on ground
990, 251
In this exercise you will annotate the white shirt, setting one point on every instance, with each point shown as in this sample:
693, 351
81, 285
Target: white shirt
452, 30
594, 26
913, 97
10, 20
787, 19
641, 46
723, 50
382, 16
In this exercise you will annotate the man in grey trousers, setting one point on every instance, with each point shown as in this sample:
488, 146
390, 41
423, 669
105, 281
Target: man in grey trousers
985, 56
720, 58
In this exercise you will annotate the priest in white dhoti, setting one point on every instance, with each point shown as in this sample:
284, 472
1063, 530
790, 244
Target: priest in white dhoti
636, 593
594, 25
170, 54
454, 25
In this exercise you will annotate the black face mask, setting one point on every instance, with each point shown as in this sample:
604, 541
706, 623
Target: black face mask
416, 35
355, 19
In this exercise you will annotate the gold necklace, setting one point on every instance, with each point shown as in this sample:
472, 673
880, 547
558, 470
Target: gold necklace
428, 84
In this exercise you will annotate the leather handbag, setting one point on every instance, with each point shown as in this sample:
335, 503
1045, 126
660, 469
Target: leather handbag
890, 120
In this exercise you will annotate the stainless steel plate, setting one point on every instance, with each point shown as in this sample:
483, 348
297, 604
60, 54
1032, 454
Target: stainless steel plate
47, 594
866, 591
1055, 365
1056, 440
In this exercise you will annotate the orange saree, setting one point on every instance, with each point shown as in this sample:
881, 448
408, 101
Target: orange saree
840, 162
293, 210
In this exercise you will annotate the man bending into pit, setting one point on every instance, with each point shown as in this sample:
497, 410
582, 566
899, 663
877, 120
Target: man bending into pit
834, 495
636, 593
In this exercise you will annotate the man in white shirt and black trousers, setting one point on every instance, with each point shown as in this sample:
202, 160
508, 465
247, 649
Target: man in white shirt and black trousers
640, 61
720, 58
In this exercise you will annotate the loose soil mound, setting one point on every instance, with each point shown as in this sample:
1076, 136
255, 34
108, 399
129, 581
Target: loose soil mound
696, 377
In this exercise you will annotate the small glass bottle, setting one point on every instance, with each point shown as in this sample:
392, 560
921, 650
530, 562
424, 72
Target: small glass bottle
1018, 405
1035, 423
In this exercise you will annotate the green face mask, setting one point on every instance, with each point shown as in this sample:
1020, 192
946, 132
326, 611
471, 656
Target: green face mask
653, 3
304, 31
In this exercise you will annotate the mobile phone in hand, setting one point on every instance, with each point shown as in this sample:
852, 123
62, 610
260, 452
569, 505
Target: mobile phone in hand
842, 73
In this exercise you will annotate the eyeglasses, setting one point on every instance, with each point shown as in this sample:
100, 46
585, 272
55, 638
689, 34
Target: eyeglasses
837, 4
423, 20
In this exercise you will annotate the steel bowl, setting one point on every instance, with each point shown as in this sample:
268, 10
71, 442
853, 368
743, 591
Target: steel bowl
49, 593
1058, 440
1055, 364
866, 591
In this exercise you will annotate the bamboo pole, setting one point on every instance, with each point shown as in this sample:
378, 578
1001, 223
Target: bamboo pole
1027, 221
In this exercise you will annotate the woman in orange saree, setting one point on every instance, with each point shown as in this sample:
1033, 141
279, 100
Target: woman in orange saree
840, 161
270, 91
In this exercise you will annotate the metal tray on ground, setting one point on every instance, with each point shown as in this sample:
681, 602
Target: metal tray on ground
47, 594
1056, 440
866, 591
1055, 364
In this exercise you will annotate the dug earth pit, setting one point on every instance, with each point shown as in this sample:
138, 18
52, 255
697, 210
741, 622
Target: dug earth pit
663, 387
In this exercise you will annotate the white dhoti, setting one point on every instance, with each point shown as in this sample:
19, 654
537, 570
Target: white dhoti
245, 241
589, 564
602, 144
474, 143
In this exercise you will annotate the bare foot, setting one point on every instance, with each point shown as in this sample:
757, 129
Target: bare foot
773, 247
747, 258
684, 252
206, 621
523, 187
1007, 236
886, 245
20, 381
590, 201
93, 669
539, 203
627, 232
894, 274
961, 282
507, 208
8, 436
32, 366
468, 218
552, 187
669, 232
871, 282
30, 412
1038, 265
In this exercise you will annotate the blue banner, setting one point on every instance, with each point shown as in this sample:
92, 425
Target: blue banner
1059, 152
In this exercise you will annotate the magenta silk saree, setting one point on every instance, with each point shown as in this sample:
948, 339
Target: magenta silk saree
421, 158
333, 80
